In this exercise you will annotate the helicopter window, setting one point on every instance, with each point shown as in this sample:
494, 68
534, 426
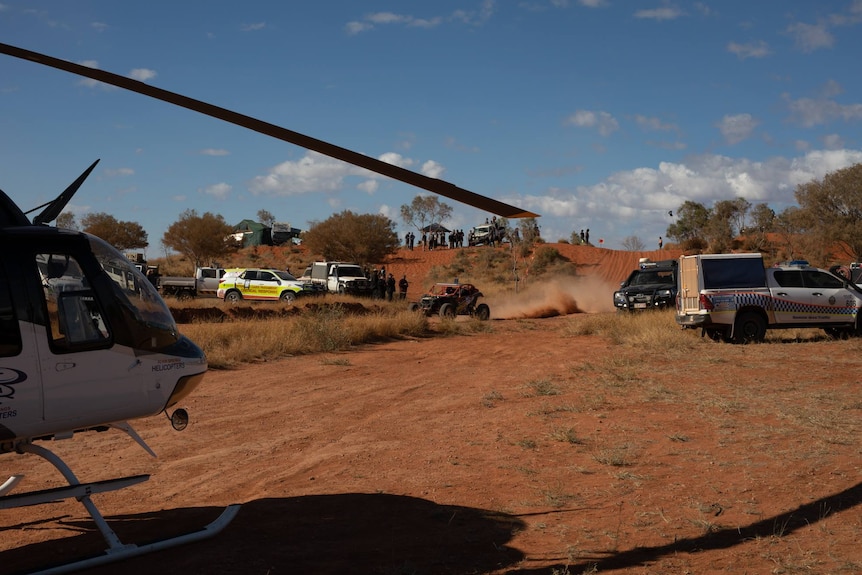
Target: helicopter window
138, 316
10, 334
80, 318
76, 321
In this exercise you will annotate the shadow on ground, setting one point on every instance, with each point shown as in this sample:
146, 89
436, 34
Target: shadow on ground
339, 534
786, 523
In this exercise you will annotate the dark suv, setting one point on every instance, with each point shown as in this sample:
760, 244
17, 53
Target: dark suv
651, 286
449, 300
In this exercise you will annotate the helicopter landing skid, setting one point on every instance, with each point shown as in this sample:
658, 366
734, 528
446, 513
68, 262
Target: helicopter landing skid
117, 550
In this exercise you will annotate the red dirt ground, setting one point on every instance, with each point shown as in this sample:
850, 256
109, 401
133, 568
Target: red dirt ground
521, 449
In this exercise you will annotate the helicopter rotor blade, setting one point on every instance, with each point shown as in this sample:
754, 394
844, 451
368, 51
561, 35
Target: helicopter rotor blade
440, 187
53, 210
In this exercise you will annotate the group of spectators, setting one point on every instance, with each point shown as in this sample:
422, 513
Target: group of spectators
383, 285
431, 240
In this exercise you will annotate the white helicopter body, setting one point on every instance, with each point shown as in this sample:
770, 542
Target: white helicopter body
86, 339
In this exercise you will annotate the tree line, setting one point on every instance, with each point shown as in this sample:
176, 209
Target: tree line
202, 238
827, 217
825, 223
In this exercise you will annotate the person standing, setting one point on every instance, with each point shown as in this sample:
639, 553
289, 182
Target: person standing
390, 287
374, 279
402, 287
660, 242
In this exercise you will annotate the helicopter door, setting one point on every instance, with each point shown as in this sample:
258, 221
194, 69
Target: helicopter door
85, 379
20, 392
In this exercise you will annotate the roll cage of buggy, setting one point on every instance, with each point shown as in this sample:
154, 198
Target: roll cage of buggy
451, 299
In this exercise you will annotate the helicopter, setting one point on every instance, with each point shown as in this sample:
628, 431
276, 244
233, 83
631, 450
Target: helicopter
87, 343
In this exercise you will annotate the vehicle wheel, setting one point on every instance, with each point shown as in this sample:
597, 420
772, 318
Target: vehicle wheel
413, 306
447, 310
233, 296
838, 333
750, 328
288, 297
483, 312
716, 334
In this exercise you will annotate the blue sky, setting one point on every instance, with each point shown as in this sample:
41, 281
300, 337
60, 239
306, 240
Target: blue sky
599, 114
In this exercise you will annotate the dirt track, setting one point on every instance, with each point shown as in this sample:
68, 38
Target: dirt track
520, 450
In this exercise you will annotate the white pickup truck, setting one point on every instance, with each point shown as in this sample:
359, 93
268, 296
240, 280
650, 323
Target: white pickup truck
339, 277
732, 297
203, 284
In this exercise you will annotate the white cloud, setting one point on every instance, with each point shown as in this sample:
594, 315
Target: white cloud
605, 123
433, 170
750, 50
220, 190
88, 82
315, 173
833, 142
666, 12
654, 124
119, 172
736, 128
369, 186
646, 194
253, 27
214, 152
98, 26
353, 28
142, 74
395, 159
471, 17
388, 18
811, 37
811, 112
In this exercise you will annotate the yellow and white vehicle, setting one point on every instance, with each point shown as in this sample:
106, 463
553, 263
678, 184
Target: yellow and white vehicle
259, 285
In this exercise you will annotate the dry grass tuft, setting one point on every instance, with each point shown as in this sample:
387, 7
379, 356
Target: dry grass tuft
325, 329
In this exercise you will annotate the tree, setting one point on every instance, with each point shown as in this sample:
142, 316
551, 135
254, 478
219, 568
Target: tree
633, 244
530, 233
741, 207
121, 235
199, 238
830, 210
787, 225
359, 238
425, 210
265, 218
719, 226
67, 221
762, 223
690, 224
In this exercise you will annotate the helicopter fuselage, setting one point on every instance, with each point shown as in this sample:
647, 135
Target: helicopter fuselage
85, 340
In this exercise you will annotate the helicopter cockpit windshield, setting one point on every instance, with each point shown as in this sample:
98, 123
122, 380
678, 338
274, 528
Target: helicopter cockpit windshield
156, 327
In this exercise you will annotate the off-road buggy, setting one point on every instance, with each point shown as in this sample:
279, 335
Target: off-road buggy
449, 300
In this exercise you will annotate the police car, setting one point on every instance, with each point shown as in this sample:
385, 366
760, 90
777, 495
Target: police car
259, 285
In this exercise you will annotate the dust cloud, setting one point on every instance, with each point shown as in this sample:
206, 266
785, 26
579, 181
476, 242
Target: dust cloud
562, 295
